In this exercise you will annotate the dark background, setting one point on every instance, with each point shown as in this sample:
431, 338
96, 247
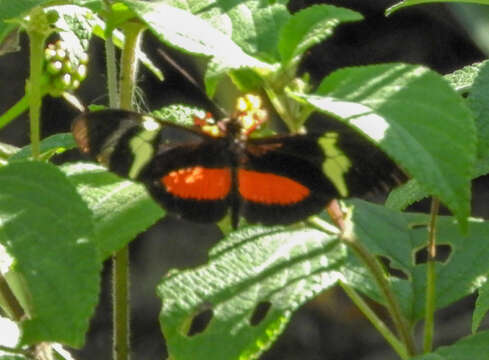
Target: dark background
329, 327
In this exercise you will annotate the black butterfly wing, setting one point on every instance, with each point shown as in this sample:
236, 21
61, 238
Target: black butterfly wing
137, 147
281, 181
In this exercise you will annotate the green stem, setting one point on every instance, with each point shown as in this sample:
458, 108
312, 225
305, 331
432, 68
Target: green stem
429, 325
121, 316
392, 304
398, 346
9, 302
13, 351
37, 38
129, 63
16, 110
111, 65
132, 32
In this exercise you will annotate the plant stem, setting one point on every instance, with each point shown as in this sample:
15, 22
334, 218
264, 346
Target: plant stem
129, 63
349, 238
111, 64
38, 30
121, 316
18, 108
398, 346
132, 32
429, 325
392, 304
9, 302
13, 350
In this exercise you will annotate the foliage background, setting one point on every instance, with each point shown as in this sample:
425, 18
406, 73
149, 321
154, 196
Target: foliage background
329, 327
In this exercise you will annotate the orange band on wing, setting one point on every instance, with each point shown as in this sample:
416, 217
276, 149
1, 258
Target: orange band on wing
269, 188
198, 183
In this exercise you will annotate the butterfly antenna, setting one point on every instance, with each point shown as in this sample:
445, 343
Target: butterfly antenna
191, 80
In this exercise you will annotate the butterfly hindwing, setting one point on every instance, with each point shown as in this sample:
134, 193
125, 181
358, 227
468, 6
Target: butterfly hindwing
282, 181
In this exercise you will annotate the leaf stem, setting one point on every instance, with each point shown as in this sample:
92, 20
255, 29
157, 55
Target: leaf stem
397, 345
9, 301
429, 325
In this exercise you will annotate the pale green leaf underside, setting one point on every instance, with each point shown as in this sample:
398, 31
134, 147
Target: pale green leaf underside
255, 265
121, 208
252, 25
47, 229
200, 38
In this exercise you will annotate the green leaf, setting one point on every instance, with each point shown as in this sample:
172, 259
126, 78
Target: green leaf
309, 27
54, 144
463, 79
200, 39
248, 270
474, 347
398, 236
481, 306
45, 228
252, 24
415, 117
474, 19
121, 208
407, 3
12, 357
478, 102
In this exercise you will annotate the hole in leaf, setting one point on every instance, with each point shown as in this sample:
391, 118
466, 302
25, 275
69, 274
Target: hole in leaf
442, 254
200, 322
386, 262
261, 310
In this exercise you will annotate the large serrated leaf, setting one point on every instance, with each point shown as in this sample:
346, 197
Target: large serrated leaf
277, 266
397, 236
121, 208
45, 228
415, 117
475, 347
310, 26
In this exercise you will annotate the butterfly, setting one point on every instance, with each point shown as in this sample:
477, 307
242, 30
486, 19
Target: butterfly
204, 173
